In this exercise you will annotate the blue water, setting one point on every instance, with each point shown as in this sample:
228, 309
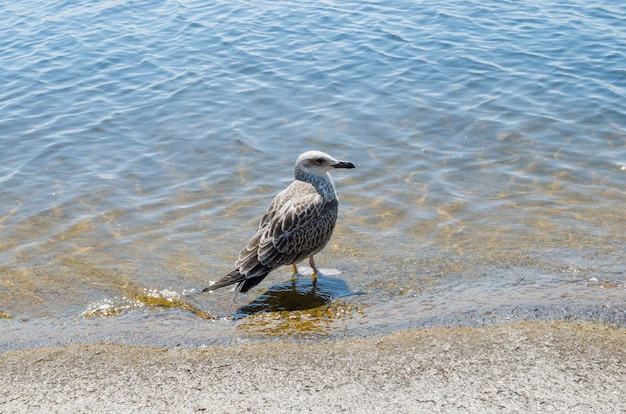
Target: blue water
141, 141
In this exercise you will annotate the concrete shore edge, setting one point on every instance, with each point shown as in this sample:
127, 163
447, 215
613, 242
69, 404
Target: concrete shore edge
522, 367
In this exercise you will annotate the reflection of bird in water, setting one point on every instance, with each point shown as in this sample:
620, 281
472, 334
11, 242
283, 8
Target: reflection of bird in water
297, 224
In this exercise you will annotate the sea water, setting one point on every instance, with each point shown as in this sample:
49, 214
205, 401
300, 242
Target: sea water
141, 142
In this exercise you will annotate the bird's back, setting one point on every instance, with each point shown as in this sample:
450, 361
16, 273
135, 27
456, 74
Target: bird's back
297, 224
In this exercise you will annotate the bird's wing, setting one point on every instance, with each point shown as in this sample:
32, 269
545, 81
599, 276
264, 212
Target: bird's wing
291, 209
277, 238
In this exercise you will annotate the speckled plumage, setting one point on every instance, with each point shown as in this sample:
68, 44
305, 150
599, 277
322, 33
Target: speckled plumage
298, 223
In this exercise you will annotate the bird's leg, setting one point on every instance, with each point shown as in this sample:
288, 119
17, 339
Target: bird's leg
295, 271
312, 264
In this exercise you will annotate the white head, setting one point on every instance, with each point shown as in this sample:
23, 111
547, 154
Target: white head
318, 163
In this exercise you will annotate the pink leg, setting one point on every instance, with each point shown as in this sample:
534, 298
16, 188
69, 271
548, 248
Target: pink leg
312, 263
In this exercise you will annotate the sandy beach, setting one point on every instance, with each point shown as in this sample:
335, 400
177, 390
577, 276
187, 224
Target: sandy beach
527, 367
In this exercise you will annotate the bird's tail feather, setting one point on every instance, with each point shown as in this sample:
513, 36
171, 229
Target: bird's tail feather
244, 283
230, 279
251, 282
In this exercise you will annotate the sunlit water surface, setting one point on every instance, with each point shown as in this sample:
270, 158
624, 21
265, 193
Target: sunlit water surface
141, 141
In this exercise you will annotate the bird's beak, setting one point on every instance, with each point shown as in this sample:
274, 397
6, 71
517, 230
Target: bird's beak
343, 164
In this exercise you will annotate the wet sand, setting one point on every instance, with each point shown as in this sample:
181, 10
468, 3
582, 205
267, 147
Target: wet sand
526, 367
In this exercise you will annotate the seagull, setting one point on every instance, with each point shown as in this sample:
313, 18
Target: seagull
297, 224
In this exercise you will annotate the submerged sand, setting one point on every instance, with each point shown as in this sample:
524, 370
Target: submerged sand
526, 367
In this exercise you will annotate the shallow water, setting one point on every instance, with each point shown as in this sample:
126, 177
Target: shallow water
140, 142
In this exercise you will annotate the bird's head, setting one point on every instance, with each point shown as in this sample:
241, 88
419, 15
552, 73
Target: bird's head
318, 163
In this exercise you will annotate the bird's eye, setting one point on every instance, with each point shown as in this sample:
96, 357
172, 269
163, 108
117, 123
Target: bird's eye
319, 160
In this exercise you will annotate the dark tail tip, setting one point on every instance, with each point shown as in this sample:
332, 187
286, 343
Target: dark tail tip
251, 282
230, 279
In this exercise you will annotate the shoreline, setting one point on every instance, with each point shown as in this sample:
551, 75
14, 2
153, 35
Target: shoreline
522, 367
